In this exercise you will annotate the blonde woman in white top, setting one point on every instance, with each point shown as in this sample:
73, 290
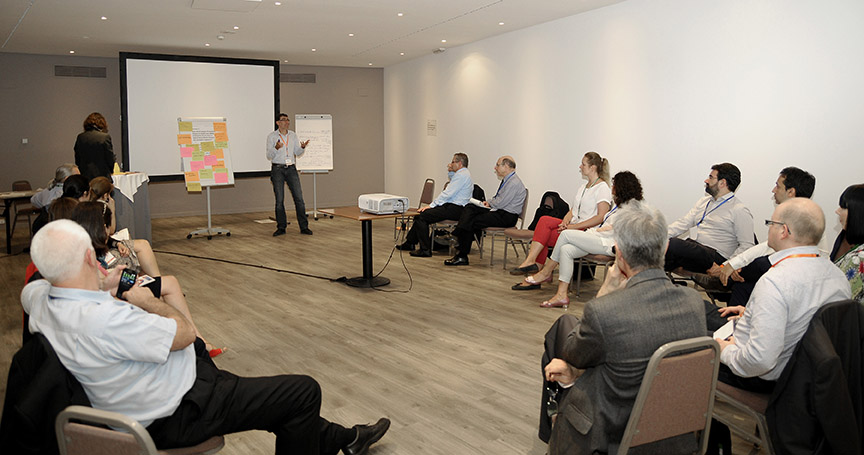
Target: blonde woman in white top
593, 201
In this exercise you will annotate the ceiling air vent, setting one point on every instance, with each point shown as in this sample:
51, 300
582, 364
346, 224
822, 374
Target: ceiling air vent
303, 78
79, 71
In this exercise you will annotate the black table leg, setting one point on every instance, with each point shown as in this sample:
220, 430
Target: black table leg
8, 204
367, 280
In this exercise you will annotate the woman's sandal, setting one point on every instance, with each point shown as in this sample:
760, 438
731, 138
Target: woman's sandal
563, 303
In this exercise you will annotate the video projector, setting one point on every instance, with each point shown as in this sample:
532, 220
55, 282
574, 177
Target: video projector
381, 203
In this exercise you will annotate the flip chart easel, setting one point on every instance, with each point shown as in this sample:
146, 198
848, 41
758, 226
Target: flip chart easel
205, 161
318, 156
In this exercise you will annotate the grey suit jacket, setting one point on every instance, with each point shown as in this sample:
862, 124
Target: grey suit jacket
613, 342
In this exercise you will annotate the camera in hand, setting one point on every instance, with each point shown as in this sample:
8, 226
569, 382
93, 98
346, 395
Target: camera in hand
127, 280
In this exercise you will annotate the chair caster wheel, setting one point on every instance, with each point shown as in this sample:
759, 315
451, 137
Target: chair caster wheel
188, 236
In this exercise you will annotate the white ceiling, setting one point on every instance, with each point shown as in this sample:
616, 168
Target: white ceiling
287, 33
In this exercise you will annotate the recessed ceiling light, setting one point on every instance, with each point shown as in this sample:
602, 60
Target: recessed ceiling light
314, 50
104, 18
278, 3
236, 28
500, 23
399, 14
443, 40
206, 44
370, 63
72, 52
350, 34
286, 61
401, 53
85, 37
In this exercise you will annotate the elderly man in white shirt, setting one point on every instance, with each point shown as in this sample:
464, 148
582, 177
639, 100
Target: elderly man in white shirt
720, 225
784, 300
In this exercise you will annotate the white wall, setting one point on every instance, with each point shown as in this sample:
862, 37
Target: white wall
664, 88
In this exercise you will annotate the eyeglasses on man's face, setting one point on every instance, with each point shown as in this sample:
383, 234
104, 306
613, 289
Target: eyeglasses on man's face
778, 223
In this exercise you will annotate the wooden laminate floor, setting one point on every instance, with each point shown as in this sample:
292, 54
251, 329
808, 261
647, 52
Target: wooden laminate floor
454, 363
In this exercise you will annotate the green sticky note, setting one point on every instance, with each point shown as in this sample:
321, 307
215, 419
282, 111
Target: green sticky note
197, 155
221, 145
185, 126
205, 174
196, 147
208, 146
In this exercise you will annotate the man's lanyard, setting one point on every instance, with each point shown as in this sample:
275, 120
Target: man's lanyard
706, 212
812, 255
504, 182
608, 214
284, 139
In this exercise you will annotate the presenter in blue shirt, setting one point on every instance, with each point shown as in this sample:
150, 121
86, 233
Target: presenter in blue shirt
283, 147
447, 206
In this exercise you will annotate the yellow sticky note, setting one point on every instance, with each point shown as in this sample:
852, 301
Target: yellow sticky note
183, 139
220, 136
193, 187
208, 146
185, 126
220, 126
192, 177
196, 147
206, 173
222, 145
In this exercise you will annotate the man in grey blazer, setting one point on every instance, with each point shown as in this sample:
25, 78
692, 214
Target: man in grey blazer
601, 363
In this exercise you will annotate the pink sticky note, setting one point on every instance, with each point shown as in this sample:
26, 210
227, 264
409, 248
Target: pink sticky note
209, 160
221, 177
186, 152
196, 165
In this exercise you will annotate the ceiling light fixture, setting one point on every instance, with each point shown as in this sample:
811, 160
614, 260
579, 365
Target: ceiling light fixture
500, 23
278, 3
71, 52
443, 40
401, 53
370, 63
350, 34
206, 44
104, 18
236, 28
314, 50
399, 14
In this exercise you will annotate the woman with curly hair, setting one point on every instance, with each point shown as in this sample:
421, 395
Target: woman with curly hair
848, 251
94, 153
574, 244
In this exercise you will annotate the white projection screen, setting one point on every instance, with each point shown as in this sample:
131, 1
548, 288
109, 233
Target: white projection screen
156, 90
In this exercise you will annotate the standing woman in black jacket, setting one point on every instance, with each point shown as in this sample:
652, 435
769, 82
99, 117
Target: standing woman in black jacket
94, 153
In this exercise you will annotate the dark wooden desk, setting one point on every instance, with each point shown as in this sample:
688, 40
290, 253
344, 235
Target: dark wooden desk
365, 219
10, 198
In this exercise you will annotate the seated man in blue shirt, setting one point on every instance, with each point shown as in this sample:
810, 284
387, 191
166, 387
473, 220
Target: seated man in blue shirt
503, 210
141, 358
447, 206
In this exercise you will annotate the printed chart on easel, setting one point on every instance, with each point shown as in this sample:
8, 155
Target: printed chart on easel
205, 152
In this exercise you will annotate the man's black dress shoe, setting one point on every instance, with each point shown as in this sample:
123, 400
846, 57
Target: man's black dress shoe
306, 231
421, 254
405, 247
366, 436
279, 232
456, 260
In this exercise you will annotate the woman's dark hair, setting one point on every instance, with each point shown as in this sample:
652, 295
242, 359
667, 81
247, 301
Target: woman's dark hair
626, 186
99, 187
75, 186
95, 121
62, 209
853, 200
91, 215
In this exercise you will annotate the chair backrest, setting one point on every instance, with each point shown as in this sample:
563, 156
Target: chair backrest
79, 438
677, 393
21, 185
428, 194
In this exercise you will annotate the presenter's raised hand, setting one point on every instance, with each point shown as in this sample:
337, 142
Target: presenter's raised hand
278, 144
304, 144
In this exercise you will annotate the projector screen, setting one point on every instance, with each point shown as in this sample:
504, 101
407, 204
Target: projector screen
156, 90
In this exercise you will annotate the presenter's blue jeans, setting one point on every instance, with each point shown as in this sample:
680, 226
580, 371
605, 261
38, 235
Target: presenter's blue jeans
279, 176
